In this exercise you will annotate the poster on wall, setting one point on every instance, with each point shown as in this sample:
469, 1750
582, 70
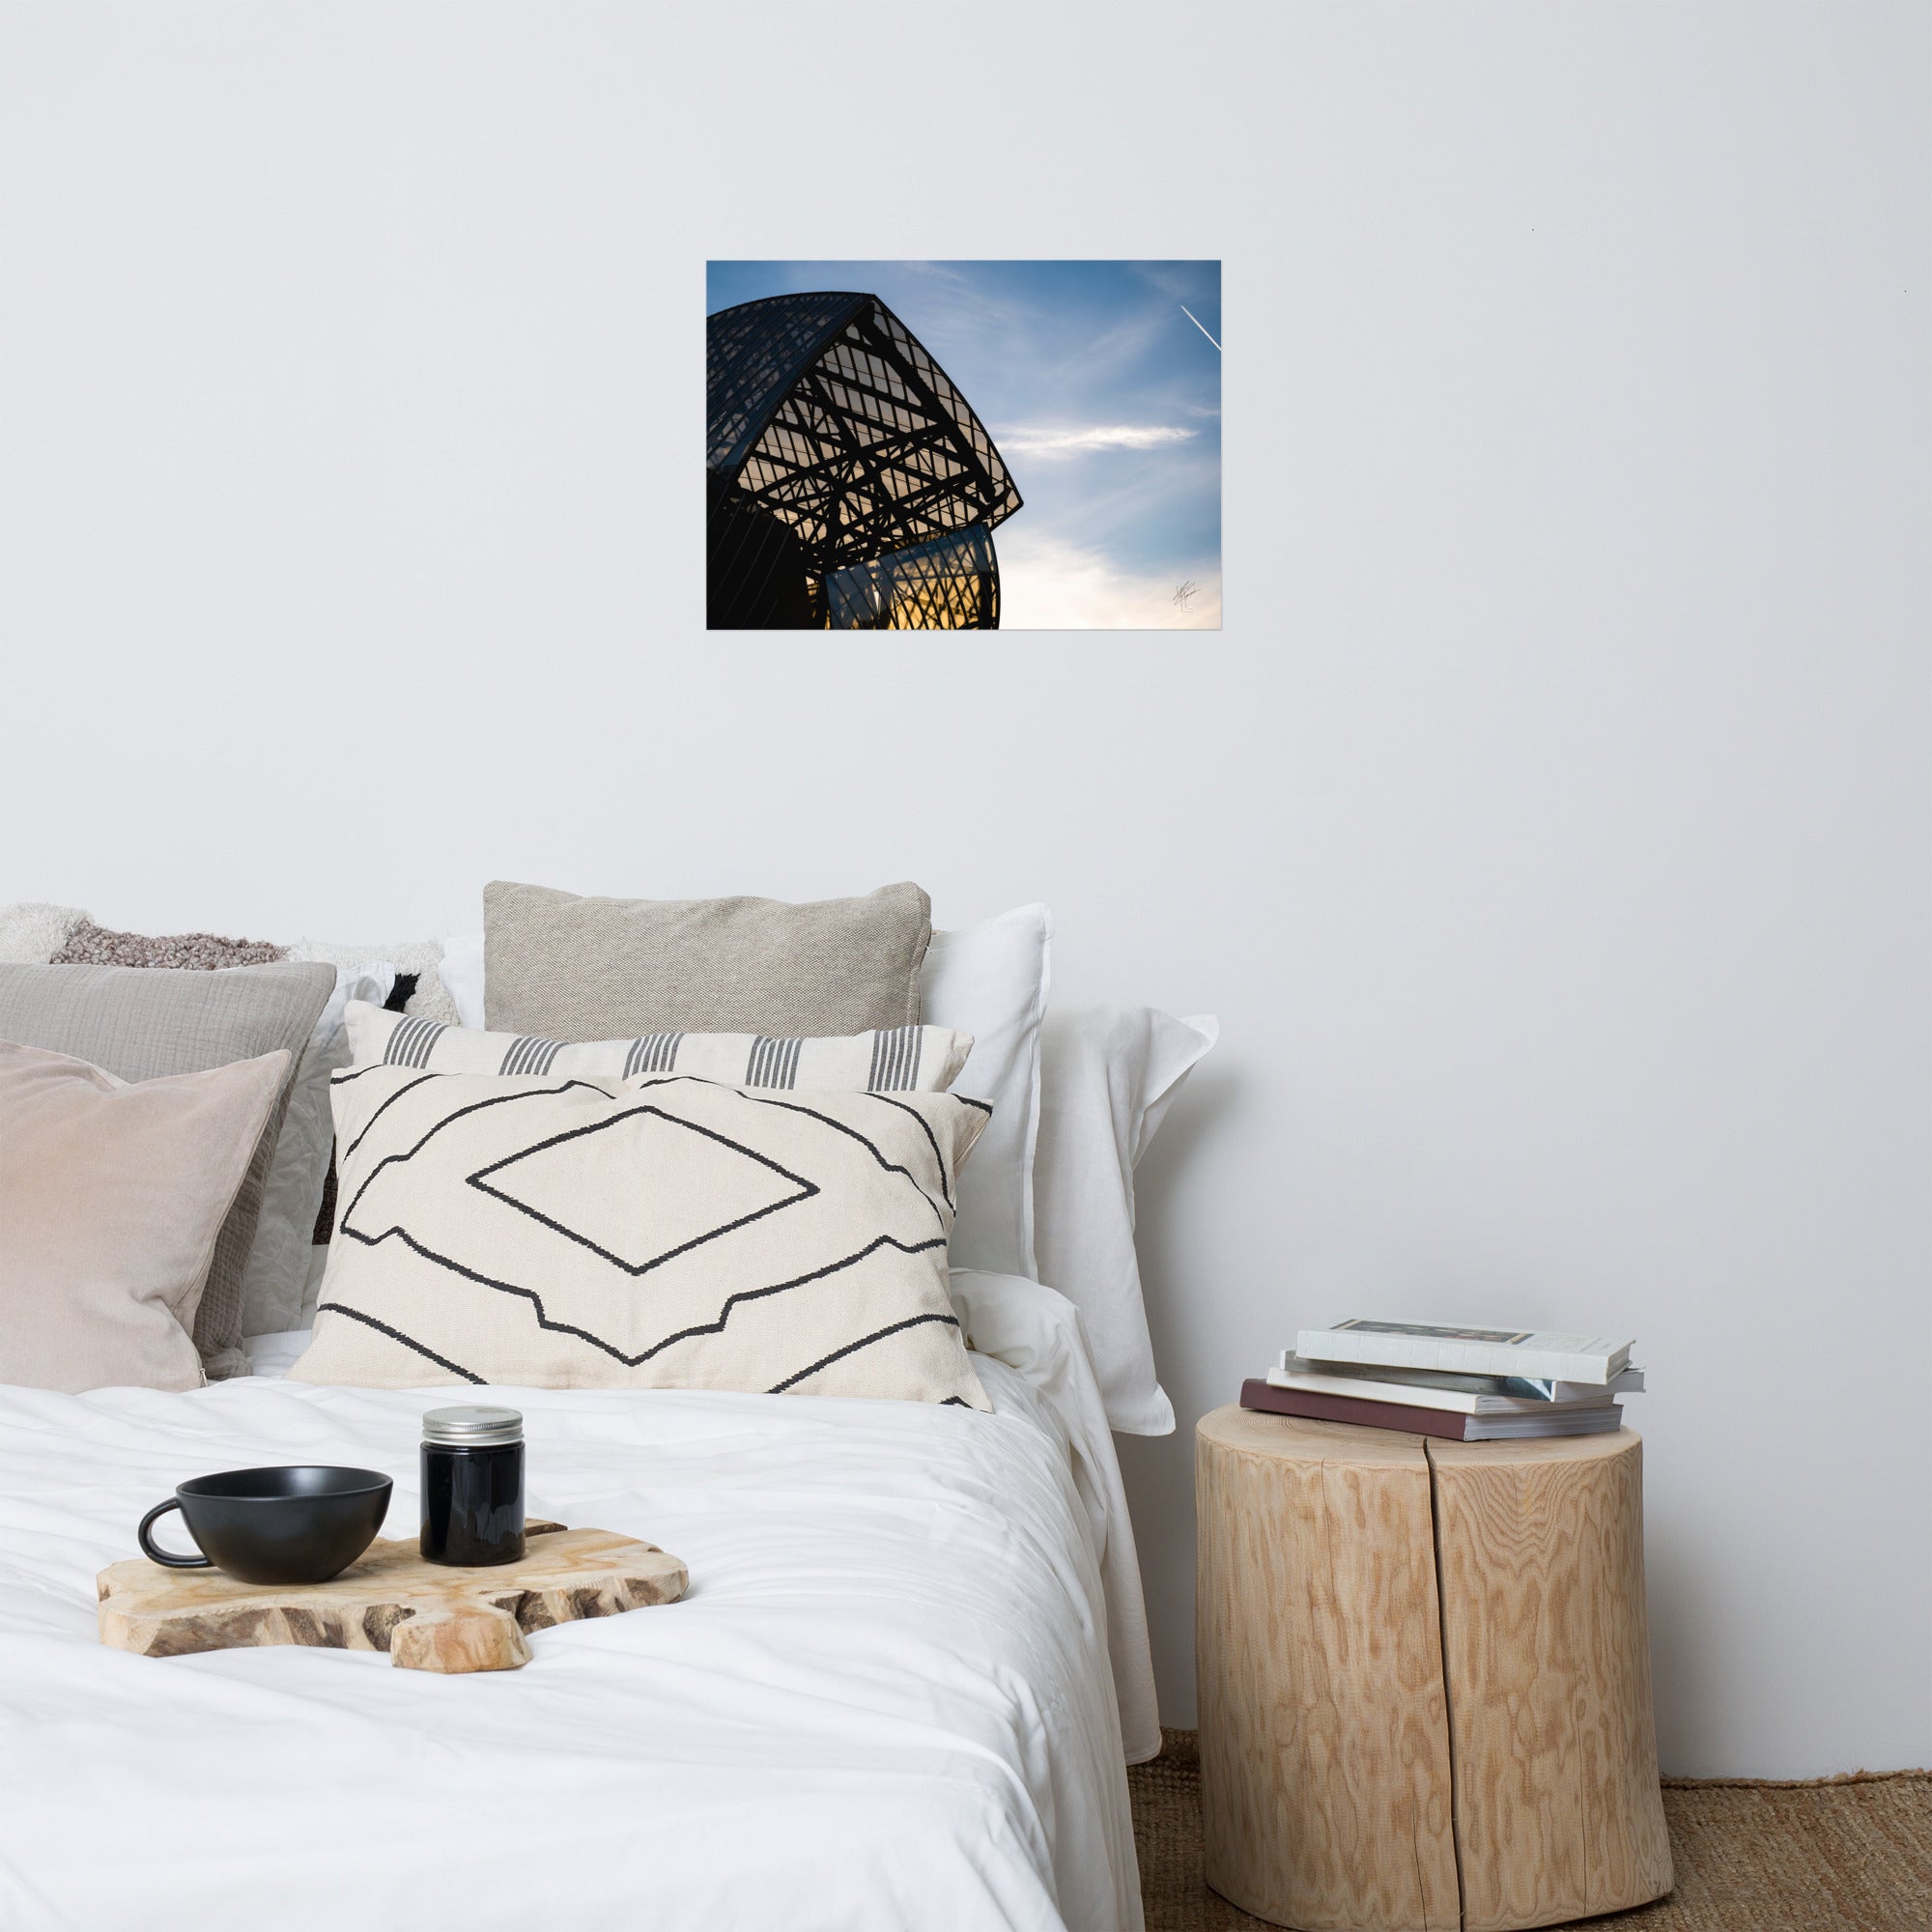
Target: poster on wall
963, 445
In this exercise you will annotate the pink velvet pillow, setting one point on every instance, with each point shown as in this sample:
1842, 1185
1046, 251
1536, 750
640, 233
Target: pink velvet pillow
111, 1196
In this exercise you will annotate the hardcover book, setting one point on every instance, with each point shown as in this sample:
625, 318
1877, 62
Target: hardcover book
1584, 1419
1465, 1351
1459, 1395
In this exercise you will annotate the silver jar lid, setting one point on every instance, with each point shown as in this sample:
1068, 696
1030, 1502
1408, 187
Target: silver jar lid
473, 1428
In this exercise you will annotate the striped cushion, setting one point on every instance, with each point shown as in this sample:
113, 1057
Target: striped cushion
895, 1060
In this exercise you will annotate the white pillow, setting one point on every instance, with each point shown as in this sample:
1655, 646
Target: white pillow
277, 1265
462, 974
1109, 1075
991, 980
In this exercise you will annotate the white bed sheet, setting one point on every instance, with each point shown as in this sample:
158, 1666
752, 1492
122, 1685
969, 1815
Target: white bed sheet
886, 1702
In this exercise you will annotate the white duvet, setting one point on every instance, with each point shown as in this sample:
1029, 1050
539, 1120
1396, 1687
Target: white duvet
886, 1701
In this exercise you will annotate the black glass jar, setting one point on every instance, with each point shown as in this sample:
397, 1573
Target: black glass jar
473, 1486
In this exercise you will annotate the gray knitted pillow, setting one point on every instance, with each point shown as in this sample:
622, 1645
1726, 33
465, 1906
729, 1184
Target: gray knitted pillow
91, 945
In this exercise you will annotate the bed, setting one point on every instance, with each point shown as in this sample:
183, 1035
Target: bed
912, 1664
901, 1690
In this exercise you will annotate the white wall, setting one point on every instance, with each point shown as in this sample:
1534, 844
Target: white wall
1548, 825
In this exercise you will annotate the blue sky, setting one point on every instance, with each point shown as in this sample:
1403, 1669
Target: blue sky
1105, 401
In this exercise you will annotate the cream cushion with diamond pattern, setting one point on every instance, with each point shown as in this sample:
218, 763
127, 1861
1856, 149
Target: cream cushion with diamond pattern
661, 1232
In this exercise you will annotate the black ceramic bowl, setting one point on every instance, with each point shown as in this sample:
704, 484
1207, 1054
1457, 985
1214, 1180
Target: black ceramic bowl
302, 1525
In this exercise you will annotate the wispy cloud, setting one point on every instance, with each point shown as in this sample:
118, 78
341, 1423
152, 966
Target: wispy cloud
1046, 584
1101, 436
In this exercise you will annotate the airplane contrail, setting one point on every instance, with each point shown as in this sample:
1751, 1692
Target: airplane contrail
1197, 322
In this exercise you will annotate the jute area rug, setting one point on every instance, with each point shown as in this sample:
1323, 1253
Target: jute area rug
1847, 1855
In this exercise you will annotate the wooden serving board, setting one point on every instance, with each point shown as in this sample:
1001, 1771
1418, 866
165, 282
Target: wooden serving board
426, 1615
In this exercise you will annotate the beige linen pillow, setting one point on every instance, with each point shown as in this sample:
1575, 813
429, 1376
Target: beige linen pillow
112, 1194
570, 968
655, 1233
140, 1025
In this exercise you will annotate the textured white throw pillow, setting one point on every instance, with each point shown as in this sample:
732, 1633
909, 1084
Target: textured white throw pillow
657, 1233
32, 933
422, 957
1109, 1075
991, 980
897, 1060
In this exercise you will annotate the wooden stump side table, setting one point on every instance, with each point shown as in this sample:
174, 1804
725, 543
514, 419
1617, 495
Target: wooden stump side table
1425, 1677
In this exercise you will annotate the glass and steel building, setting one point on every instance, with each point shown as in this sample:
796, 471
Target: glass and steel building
849, 486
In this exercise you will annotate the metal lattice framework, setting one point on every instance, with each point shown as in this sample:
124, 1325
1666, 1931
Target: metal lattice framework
827, 418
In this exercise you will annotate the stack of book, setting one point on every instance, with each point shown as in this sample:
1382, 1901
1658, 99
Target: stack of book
1469, 1385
